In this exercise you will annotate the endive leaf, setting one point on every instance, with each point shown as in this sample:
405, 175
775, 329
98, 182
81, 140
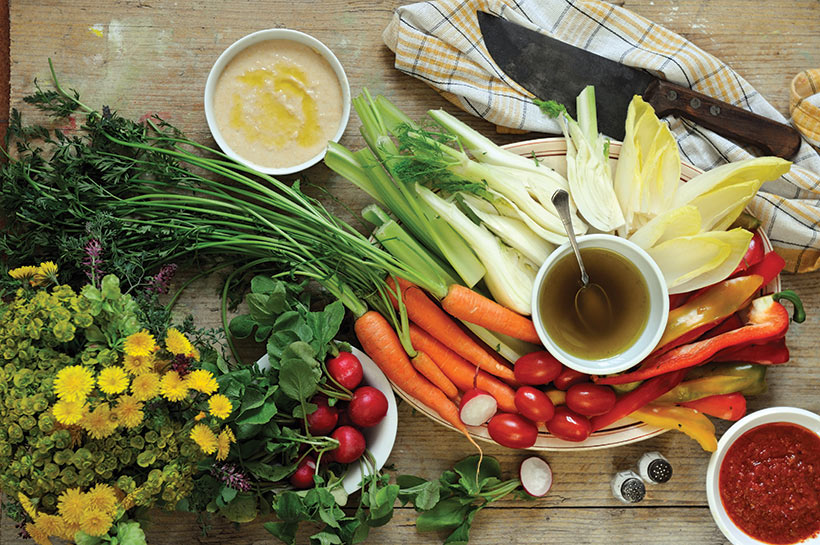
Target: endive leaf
678, 222
738, 241
721, 207
686, 258
758, 168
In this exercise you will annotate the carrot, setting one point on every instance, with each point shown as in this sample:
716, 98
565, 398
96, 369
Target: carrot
428, 368
429, 316
461, 372
467, 305
381, 343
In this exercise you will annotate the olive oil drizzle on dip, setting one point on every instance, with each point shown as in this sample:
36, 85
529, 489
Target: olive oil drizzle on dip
277, 103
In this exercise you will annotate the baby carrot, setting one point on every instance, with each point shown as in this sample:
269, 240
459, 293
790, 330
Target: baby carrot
429, 316
381, 343
467, 305
461, 372
428, 368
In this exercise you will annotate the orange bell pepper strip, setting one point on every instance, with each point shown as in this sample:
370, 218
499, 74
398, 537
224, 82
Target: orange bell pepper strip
766, 320
671, 417
725, 406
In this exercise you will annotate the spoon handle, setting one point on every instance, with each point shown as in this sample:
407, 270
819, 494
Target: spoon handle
560, 199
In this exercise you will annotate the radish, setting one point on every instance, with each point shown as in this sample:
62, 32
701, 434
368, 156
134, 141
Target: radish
367, 407
303, 476
477, 406
536, 476
324, 419
351, 444
346, 369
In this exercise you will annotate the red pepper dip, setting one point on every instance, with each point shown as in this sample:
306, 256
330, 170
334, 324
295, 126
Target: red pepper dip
770, 483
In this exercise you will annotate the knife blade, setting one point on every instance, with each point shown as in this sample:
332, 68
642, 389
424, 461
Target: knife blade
554, 70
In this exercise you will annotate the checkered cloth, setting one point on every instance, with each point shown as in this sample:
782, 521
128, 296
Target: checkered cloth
440, 43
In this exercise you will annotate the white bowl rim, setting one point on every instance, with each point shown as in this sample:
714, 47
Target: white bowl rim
791, 415
381, 437
262, 36
616, 363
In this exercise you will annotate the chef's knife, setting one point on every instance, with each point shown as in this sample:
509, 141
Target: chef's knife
554, 70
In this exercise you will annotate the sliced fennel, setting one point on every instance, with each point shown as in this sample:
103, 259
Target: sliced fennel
510, 276
647, 174
588, 171
512, 231
758, 168
674, 223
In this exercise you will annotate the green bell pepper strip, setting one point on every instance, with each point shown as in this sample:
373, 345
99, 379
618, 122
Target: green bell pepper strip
766, 320
699, 388
753, 373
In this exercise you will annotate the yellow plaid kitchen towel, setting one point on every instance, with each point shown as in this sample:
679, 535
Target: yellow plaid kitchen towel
805, 104
439, 42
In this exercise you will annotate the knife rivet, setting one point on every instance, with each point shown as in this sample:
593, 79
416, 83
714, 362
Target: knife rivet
714, 110
695, 102
672, 95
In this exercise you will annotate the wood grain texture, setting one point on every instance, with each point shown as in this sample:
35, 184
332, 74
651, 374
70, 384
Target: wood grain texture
145, 56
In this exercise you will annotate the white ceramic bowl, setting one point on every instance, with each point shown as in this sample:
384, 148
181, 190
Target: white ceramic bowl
380, 438
658, 306
792, 415
263, 36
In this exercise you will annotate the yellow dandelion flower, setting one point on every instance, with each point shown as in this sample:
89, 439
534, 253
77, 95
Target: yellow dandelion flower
101, 498
173, 387
176, 343
27, 505
145, 386
129, 411
69, 412
200, 416
26, 272
71, 505
137, 365
224, 440
202, 381
47, 271
51, 525
99, 423
219, 406
140, 344
39, 537
73, 383
95, 522
112, 380
205, 438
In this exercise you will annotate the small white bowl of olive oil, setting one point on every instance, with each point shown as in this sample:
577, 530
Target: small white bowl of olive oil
637, 298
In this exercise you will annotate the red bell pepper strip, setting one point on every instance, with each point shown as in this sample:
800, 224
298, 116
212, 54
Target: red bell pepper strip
769, 267
638, 398
677, 299
754, 254
732, 322
770, 353
725, 406
766, 320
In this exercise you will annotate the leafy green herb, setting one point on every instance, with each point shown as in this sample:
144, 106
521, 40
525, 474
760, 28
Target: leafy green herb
452, 501
550, 107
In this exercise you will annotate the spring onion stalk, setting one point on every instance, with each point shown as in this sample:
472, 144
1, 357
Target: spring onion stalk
588, 171
513, 231
510, 276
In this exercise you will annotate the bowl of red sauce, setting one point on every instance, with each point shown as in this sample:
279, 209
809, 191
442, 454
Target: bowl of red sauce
763, 481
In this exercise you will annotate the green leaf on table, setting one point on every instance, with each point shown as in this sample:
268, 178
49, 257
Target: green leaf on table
325, 325
424, 495
381, 504
289, 506
270, 472
262, 333
467, 468
284, 531
242, 509
325, 538
447, 514
261, 308
461, 535
300, 372
265, 285
228, 494
241, 326
130, 533
259, 415
81, 538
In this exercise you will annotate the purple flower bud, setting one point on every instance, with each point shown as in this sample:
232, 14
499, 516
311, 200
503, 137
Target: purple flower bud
231, 476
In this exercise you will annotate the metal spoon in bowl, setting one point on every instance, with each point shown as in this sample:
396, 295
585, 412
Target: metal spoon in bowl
591, 301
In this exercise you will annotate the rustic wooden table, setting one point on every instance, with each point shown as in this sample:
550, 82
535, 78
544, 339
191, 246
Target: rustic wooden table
145, 56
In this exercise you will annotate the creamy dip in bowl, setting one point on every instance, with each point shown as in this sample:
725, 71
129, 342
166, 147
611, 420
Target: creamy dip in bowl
274, 99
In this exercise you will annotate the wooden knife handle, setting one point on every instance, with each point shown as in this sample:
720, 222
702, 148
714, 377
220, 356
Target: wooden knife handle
771, 137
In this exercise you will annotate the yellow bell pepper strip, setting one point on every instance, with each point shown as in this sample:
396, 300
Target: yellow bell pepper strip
672, 417
766, 320
724, 406
754, 375
645, 393
700, 313
770, 353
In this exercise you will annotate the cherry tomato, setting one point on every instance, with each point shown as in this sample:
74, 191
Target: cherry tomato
534, 404
346, 369
590, 399
512, 430
568, 425
324, 418
537, 368
351, 444
303, 476
367, 407
568, 377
